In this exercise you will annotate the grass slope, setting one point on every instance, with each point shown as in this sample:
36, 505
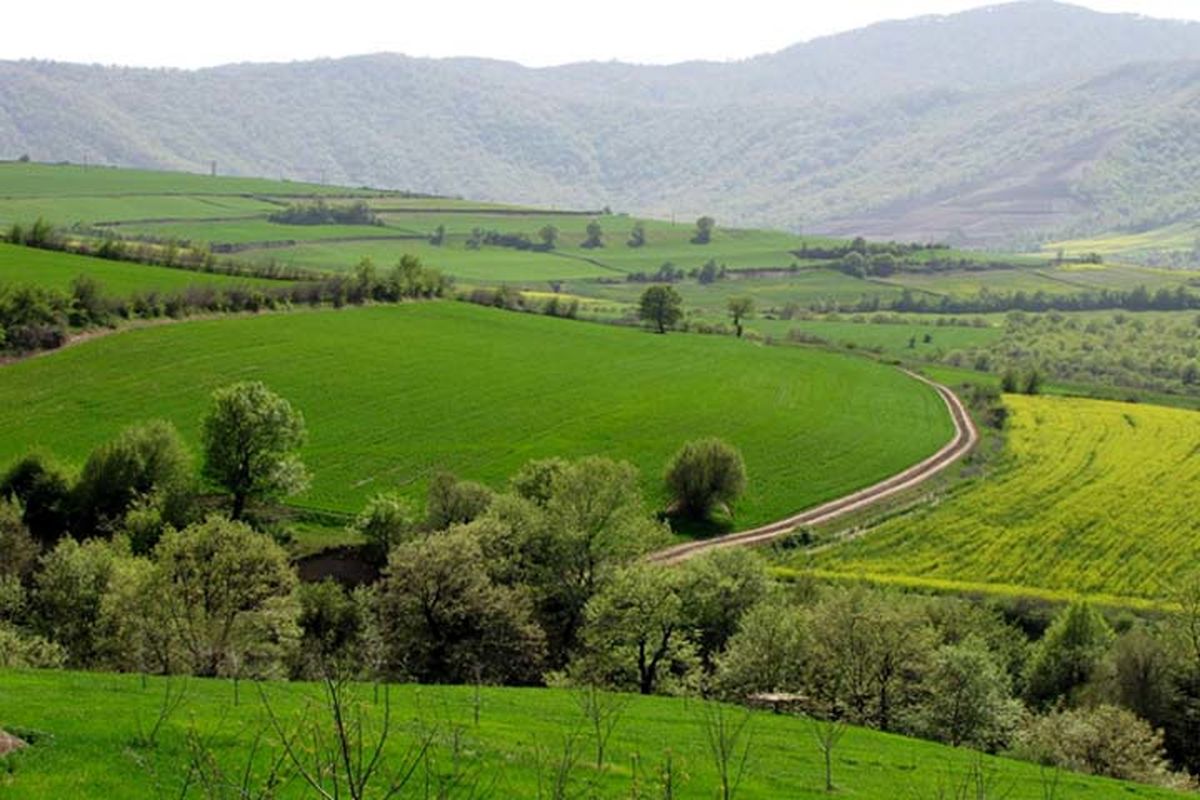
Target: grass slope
53, 270
1093, 497
392, 394
85, 724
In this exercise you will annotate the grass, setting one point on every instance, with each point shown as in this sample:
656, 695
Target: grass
393, 394
54, 270
1180, 238
85, 726
1092, 498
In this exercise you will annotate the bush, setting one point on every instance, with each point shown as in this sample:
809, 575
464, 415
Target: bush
705, 474
44, 495
386, 521
453, 502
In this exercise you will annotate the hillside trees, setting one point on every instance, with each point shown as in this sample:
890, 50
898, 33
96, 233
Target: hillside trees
704, 230
740, 309
703, 475
637, 235
595, 235
660, 306
251, 437
549, 236
1068, 656
44, 494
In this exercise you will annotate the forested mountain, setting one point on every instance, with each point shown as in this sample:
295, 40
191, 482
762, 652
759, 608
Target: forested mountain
1001, 124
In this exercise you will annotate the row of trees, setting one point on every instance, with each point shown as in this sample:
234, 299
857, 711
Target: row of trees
319, 212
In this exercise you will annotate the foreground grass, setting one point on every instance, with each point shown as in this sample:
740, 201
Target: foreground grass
1093, 498
85, 728
394, 394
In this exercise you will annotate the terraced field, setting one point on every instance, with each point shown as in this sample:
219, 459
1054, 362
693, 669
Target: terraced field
53, 270
393, 394
1093, 497
85, 723
1179, 240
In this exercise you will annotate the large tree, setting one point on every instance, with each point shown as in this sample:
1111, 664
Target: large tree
661, 306
251, 436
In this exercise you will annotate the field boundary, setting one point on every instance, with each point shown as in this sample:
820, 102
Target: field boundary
966, 435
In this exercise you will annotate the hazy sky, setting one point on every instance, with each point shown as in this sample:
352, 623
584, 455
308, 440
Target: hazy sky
533, 32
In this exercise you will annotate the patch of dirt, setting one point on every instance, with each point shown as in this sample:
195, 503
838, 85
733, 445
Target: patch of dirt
10, 743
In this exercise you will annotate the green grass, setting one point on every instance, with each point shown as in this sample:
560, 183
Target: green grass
891, 340
85, 724
392, 394
1178, 239
1092, 498
53, 270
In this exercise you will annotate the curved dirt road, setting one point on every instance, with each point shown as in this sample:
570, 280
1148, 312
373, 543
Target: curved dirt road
965, 437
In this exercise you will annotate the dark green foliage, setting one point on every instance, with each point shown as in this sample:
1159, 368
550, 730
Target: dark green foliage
18, 550
595, 235
319, 212
705, 474
1068, 656
148, 461
704, 230
661, 306
387, 520
454, 502
44, 494
637, 235
717, 591
330, 623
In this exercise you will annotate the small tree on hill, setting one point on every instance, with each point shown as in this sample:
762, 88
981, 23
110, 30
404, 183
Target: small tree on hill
704, 230
704, 474
741, 309
549, 237
251, 436
662, 306
595, 235
637, 236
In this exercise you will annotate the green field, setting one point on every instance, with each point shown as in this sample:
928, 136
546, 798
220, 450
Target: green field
84, 726
55, 270
392, 394
1179, 241
1091, 497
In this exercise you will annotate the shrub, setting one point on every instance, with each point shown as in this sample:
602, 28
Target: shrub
705, 474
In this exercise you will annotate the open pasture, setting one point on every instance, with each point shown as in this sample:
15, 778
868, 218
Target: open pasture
1091, 497
84, 724
394, 394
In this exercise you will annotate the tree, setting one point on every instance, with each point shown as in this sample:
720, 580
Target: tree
250, 437
970, 698
595, 235
224, 593
386, 521
720, 587
445, 621
549, 236
438, 237
704, 230
455, 502
67, 594
1068, 656
44, 495
704, 474
144, 461
709, 273
637, 235
741, 309
18, 550
635, 634
662, 306
768, 653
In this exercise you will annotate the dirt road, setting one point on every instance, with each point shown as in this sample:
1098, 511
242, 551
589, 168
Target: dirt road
965, 437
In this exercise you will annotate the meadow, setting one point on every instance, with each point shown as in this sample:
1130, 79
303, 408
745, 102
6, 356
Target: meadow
1176, 243
85, 729
1090, 498
55, 270
394, 394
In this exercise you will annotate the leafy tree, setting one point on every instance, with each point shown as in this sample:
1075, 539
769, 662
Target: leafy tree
704, 230
534, 481
709, 273
438, 237
44, 495
18, 550
1068, 656
661, 306
144, 461
718, 589
386, 520
445, 620
740, 309
250, 437
704, 474
970, 698
455, 502
768, 653
224, 594
330, 623
637, 235
67, 593
549, 236
595, 235
636, 632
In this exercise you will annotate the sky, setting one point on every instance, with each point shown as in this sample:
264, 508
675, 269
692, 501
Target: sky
174, 33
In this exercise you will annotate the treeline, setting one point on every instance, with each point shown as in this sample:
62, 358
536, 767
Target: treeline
319, 212
545, 582
165, 253
709, 272
1140, 298
511, 299
36, 318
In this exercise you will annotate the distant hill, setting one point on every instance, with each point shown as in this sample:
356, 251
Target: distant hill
1005, 124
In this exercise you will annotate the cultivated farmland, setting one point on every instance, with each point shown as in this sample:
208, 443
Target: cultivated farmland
392, 395
1091, 497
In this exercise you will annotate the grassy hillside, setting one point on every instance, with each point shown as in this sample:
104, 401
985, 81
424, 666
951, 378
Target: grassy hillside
1092, 497
54, 270
84, 724
1177, 244
391, 395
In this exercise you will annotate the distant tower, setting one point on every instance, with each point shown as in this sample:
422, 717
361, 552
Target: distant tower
212, 168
